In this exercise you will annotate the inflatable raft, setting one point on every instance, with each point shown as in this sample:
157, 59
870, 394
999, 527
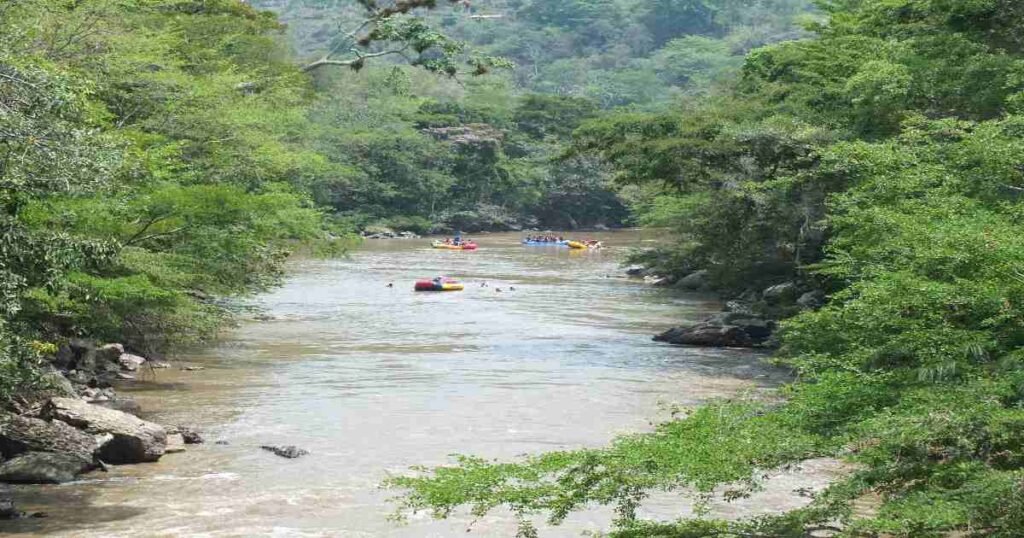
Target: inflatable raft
438, 285
448, 246
570, 244
545, 243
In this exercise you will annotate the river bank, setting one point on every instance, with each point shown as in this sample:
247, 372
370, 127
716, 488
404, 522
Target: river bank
372, 380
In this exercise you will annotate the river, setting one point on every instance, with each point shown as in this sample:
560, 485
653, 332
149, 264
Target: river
372, 380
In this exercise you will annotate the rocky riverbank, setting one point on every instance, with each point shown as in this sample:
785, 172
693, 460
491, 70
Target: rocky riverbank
749, 320
79, 424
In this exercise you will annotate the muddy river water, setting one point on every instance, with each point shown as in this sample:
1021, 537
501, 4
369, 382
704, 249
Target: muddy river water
372, 380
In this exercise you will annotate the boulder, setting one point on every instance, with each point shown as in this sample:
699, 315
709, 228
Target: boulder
636, 270
20, 434
56, 384
290, 452
175, 443
694, 281
132, 440
811, 300
44, 468
130, 362
190, 436
112, 350
755, 326
707, 335
785, 293
124, 405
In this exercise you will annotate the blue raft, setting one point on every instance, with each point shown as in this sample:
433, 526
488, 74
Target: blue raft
545, 243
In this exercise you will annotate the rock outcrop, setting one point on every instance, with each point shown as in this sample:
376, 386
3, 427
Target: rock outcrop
19, 434
44, 468
290, 452
127, 439
728, 329
781, 294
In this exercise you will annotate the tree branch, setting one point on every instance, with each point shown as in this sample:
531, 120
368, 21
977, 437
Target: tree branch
360, 58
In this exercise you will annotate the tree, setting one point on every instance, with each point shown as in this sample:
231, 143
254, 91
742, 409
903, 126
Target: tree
387, 24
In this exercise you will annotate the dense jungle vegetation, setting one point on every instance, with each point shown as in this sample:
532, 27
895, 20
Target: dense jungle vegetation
160, 154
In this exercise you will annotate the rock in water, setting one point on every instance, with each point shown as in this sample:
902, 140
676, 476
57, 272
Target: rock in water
190, 436
636, 270
132, 440
175, 443
130, 362
44, 468
694, 281
290, 452
20, 434
707, 335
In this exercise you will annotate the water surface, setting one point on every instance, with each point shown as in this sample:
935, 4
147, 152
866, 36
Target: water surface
372, 380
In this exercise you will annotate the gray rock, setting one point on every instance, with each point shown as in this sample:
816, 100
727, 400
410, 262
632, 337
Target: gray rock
124, 405
44, 468
290, 452
175, 444
20, 434
190, 436
636, 270
707, 335
755, 326
130, 362
112, 350
784, 293
694, 281
811, 300
132, 440
57, 384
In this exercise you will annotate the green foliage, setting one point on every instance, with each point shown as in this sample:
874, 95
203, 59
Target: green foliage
152, 157
879, 161
606, 51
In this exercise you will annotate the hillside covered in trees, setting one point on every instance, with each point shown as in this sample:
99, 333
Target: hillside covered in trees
490, 152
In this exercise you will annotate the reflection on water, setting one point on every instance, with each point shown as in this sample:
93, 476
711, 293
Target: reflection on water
372, 380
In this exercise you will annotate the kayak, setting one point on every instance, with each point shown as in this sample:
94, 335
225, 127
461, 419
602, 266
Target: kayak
576, 244
433, 285
446, 246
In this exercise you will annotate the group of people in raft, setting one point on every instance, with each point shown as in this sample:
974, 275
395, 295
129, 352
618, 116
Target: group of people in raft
591, 243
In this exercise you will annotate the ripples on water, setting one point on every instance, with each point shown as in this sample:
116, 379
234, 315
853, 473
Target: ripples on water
372, 380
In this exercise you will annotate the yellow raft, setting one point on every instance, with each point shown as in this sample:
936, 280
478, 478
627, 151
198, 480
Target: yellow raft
576, 244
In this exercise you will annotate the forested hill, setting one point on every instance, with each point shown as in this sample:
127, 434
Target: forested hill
611, 52
424, 151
